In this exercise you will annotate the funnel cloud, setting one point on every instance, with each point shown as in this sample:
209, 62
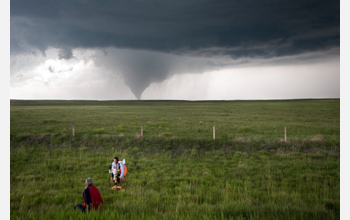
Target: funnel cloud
141, 68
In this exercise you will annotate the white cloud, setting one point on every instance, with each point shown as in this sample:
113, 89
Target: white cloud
48, 77
320, 80
95, 74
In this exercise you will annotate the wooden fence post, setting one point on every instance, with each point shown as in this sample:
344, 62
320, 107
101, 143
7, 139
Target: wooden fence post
213, 132
73, 129
141, 131
285, 134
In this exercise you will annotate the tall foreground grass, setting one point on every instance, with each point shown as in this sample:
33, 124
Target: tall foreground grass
242, 176
180, 182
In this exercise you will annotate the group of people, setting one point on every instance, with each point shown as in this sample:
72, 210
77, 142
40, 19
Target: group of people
118, 165
91, 194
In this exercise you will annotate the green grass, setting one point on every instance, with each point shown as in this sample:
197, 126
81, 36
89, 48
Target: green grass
177, 171
243, 120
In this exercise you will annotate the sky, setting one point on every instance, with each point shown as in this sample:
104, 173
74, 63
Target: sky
186, 50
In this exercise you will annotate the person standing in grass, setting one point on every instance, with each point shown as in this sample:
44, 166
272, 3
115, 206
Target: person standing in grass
114, 166
122, 171
91, 195
118, 165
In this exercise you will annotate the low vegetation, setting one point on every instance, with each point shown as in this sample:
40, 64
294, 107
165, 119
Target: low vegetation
176, 170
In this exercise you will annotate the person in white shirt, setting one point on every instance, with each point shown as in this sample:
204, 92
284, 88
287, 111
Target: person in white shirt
114, 166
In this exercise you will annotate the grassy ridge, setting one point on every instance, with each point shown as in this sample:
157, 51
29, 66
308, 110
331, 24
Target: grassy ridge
248, 172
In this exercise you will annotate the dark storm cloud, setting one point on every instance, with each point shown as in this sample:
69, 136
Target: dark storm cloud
177, 26
161, 38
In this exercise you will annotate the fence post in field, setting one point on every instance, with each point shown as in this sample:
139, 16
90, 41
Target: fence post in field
285, 134
213, 132
141, 131
73, 129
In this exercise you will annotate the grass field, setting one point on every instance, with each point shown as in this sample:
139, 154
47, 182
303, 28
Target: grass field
242, 120
177, 170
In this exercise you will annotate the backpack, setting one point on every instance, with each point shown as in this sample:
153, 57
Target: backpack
125, 168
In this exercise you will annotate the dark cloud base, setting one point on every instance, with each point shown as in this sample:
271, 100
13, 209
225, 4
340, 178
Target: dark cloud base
177, 26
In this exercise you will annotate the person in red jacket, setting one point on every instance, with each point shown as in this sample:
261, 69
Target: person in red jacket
91, 195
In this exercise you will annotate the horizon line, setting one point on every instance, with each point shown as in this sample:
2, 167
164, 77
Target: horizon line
189, 100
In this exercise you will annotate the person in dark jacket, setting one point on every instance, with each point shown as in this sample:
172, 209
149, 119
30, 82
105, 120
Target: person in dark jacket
91, 195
